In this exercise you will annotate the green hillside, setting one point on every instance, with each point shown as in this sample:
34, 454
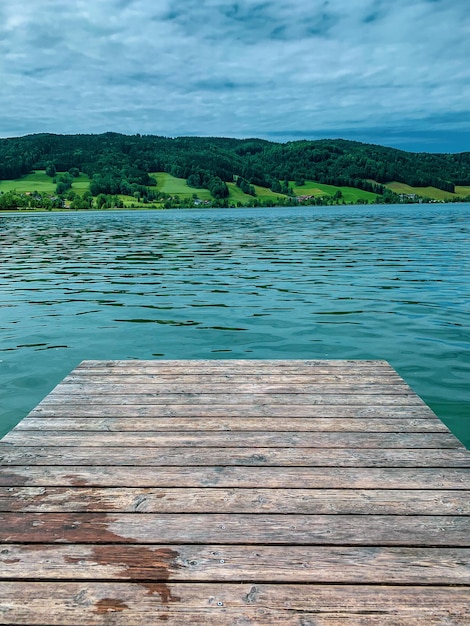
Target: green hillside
123, 165
267, 194
236, 194
177, 190
349, 194
36, 181
134, 185
40, 182
429, 192
424, 192
174, 186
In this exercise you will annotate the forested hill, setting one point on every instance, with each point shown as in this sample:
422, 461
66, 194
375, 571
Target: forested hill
113, 161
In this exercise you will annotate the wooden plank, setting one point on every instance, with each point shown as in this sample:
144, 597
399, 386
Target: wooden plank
308, 387
365, 530
91, 388
309, 377
12, 455
61, 409
216, 500
242, 477
175, 424
234, 439
210, 604
225, 399
341, 388
243, 365
212, 563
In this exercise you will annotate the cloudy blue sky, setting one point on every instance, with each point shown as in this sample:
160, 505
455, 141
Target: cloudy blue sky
395, 72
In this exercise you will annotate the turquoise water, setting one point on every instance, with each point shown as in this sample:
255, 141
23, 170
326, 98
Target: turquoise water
349, 282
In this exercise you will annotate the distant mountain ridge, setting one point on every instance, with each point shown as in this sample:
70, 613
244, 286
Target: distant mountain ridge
112, 161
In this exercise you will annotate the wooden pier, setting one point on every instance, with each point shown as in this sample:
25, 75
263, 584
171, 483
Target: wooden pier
314, 493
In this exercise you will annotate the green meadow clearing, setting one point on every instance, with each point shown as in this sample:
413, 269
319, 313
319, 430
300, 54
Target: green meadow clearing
177, 186
81, 184
173, 186
262, 193
37, 181
429, 192
349, 194
237, 195
43, 184
266, 194
166, 183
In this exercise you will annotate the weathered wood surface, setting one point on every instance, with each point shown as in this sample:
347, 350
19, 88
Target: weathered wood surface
140, 492
239, 477
146, 603
213, 500
229, 398
173, 409
237, 529
246, 424
231, 439
348, 565
253, 456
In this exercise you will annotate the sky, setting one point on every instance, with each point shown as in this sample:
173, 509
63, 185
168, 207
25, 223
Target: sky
392, 72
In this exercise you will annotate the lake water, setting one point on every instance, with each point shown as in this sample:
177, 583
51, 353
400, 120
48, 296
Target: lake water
303, 283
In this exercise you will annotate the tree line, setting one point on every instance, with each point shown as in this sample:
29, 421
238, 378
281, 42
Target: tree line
121, 164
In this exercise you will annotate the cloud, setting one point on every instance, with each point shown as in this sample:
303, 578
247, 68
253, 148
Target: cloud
237, 68
249, 21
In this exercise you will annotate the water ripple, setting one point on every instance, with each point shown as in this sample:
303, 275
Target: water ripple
367, 282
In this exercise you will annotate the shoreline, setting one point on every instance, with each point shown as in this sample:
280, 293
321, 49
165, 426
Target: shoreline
12, 212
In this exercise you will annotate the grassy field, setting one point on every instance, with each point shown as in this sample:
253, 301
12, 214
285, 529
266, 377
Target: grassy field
40, 182
266, 194
429, 192
130, 200
262, 193
350, 194
37, 181
81, 184
237, 195
177, 187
